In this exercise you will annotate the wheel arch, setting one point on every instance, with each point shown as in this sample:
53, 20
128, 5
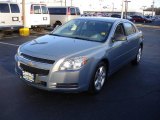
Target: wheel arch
106, 61
141, 45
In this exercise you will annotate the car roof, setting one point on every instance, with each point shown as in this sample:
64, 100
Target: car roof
105, 19
8, 2
61, 7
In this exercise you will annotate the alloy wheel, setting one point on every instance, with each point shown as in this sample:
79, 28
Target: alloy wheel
100, 77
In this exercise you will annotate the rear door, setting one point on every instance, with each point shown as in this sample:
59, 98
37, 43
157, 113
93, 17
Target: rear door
132, 38
45, 15
78, 13
5, 16
73, 14
36, 14
15, 19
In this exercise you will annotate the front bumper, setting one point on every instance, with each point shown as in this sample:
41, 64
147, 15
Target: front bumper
66, 81
12, 27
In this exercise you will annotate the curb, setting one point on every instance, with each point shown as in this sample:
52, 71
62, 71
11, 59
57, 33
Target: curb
147, 26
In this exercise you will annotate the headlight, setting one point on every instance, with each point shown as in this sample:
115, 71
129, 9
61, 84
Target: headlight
73, 63
18, 52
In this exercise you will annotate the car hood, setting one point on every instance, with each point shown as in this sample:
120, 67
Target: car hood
57, 47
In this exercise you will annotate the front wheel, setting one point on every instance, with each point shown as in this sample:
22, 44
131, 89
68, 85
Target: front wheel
99, 78
138, 57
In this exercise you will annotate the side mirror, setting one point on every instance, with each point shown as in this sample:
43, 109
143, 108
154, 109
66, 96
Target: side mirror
119, 38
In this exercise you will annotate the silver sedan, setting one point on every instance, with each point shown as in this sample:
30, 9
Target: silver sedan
79, 55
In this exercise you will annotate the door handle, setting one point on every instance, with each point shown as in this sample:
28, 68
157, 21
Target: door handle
3, 22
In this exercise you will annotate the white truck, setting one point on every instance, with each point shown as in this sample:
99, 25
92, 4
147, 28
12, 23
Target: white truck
61, 15
36, 15
10, 16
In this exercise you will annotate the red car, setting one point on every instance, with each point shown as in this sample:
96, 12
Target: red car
137, 18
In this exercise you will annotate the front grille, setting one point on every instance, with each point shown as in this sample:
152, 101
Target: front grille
66, 85
34, 70
37, 59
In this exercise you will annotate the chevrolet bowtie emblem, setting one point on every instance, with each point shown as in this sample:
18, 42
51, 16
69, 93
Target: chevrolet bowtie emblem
30, 64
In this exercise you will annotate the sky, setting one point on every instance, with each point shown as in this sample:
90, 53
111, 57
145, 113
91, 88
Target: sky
107, 5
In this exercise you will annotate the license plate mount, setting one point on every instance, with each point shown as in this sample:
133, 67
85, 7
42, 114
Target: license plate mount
28, 76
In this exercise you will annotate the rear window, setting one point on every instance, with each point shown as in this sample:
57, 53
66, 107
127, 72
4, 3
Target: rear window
44, 10
73, 12
37, 9
78, 11
14, 8
4, 8
57, 11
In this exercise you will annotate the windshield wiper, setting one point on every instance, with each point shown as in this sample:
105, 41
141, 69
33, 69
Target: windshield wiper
55, 35
81, 38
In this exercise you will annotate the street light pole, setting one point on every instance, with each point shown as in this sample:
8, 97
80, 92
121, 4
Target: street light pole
23, 12
71, 2
143, 7
152, 8
126, 7
65, 3
113, 7
122, 10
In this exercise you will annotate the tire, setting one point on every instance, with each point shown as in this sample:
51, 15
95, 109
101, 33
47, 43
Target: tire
57, 23
98, 79
138, 57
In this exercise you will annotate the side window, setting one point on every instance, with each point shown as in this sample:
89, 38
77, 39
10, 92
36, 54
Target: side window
129, 28
57, 11
73, 12
4, 8
44, 10
37, 9
119, 30
14, 8
78, 11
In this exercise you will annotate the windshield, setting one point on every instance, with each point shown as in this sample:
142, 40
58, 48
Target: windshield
92, 30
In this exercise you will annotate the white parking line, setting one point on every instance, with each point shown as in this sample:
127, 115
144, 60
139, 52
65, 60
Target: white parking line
4, 43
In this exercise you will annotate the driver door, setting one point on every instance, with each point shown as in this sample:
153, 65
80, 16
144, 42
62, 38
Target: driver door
119, 49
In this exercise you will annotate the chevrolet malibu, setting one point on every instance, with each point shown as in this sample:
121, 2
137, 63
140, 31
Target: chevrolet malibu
79, 55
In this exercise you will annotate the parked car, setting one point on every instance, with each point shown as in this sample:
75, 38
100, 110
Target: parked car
151, 18
61, 15
79, 55
11, 18
142, 19
116, 15
119, 16
36, 15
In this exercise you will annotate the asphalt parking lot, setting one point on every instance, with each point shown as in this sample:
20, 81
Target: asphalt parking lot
132, 93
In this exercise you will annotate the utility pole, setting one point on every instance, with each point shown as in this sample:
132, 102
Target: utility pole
122, 10
143, 7
152, 8
126, 7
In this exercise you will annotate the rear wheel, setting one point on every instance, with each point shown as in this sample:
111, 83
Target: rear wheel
99, 78
138, 57
57, 23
